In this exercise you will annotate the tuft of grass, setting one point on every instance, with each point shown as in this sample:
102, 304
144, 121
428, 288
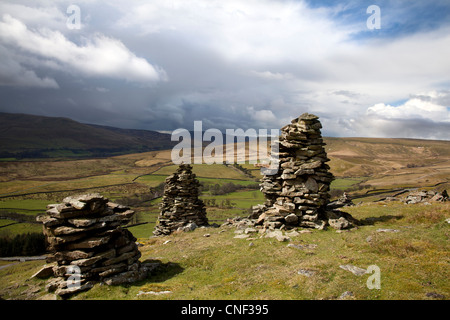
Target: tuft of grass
433, 214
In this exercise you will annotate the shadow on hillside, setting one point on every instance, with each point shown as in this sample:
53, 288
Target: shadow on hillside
163, 271
372, 220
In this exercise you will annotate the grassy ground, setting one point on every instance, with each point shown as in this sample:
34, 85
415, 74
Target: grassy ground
413, 262
344, 183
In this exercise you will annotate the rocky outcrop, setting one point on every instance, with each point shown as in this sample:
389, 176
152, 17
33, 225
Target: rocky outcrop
298, 194
181, 209
421, 196
88, 245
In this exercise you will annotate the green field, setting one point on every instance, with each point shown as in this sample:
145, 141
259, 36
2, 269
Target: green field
15, 228
207, 171
413, 262
24, 206
344, 183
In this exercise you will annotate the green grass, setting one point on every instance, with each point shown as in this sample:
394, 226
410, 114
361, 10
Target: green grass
344, 183
152, 180
240, 195
207, 171
145, 230
222, 181
27, 207
24, 206
239, 199
18, 228
413, 262
5, 222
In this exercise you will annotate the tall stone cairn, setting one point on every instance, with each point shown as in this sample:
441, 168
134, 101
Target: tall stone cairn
298, 194
180, 206
85, 232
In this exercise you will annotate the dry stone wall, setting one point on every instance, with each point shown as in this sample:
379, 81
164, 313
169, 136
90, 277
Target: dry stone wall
299, 193
88, 244
181, 209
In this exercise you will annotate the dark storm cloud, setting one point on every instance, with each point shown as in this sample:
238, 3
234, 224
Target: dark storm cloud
161, 65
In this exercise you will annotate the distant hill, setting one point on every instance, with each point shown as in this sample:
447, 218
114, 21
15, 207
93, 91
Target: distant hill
382, 162
372, 156
25, 136
29, 136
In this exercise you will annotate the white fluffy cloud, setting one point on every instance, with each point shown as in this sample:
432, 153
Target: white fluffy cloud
99, 55
254, 31
264, 116
412, 109
421, 116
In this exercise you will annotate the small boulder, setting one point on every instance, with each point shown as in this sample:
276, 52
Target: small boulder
45, 272
291, 219
353, 269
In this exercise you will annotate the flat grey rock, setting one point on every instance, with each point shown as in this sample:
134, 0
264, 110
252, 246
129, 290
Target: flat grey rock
353, 269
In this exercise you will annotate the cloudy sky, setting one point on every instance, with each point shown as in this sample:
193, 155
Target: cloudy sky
162, 64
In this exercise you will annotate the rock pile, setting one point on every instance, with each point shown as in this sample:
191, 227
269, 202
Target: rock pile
88, 244
297, 195
181, 209
343, 201
420, 196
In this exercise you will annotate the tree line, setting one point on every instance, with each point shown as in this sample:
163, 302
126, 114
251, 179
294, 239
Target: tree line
25, 244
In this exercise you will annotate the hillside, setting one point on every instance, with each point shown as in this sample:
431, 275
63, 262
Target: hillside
390, 162
29, 136
408, 243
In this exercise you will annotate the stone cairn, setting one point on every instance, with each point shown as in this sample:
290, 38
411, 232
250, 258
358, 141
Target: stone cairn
298, 194
88, 244
181, 209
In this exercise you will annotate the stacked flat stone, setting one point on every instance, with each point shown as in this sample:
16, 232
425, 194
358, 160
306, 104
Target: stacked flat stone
180, 206
85, 232
297, 195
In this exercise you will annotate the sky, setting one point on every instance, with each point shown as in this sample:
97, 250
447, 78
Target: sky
163, 64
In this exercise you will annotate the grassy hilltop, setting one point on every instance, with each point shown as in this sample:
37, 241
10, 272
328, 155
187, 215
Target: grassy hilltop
212, 264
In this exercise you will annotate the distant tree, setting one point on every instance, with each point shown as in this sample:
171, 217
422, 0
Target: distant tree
22, 244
